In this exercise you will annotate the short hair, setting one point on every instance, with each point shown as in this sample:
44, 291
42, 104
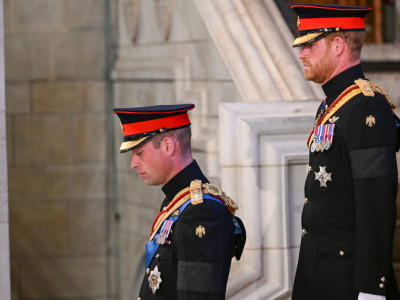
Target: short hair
354, 39
182, 135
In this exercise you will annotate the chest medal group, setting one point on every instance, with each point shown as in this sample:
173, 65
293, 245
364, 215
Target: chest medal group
321, 137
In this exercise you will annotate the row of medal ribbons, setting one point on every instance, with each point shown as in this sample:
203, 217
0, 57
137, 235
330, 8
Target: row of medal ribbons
322, 139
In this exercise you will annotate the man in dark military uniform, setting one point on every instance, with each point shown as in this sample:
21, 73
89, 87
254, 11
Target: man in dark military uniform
349, 212
195, 235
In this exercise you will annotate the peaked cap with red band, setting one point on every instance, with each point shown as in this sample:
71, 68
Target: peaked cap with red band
316, 21
139, 124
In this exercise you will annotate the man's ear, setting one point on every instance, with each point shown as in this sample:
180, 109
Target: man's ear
168, 145
338, 45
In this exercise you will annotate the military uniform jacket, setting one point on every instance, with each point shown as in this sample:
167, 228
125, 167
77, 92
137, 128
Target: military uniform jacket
194, 265
348, 226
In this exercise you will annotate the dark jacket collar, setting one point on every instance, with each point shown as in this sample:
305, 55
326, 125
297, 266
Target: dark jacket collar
340, 82
181, 181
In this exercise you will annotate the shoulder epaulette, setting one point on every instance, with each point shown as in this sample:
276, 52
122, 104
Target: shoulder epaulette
365, 87
197, 189
196, 193
369, 89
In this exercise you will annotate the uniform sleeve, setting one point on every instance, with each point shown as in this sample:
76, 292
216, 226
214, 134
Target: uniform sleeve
370, 136
204, 251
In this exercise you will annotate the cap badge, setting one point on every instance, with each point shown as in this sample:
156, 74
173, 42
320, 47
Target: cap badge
322, 176
155, 280
200, 231
298, 23
370, 121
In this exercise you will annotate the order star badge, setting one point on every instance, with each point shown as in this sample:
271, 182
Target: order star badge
155, 280
322, 176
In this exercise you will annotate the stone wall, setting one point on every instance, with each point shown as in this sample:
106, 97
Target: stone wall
4, 220
57, 157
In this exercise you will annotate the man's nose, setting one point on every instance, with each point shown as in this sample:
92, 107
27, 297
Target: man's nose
134, 162
302, 54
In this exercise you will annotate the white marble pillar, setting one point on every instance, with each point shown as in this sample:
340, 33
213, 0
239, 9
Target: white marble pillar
264, 161
4, 233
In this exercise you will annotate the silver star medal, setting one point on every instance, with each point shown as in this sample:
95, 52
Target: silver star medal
155, 280
322, 176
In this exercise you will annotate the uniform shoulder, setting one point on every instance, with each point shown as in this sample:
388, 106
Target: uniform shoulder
199, 191
372, 89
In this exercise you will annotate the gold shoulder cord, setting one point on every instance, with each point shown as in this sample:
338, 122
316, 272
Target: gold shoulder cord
369, 88
168, 213
366, 87
196, 191
339, 105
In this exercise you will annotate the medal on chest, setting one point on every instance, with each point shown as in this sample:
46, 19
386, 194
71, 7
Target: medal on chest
164, 232
322, 176
155, 280
322, 138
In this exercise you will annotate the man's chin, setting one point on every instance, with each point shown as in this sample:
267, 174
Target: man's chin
308, 76
150, 183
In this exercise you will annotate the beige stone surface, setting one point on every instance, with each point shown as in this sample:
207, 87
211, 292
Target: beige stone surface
137, 219
87, 228
14, 266
56, 137
76, 182
89, 138
59, 278
38, 229
187, 24
18, 98
43, 139
143, 93
7, 14
84, 14
178, 61
133, 190
131, 277
133, 243
27, 56
79, 55
148, 31
69, 96
10, 140
35, 15
26, 184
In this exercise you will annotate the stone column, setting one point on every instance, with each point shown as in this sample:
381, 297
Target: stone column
4, 235
264, 161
